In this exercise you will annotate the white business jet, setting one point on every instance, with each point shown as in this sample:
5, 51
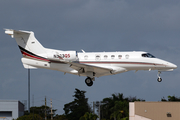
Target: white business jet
90, 64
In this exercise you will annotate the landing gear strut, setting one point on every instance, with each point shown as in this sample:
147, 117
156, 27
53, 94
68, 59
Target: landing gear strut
159, 78
88, 81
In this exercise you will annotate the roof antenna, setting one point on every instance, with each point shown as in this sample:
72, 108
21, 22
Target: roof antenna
83, 51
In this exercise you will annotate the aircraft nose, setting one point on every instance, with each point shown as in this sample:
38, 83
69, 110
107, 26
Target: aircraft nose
171, 65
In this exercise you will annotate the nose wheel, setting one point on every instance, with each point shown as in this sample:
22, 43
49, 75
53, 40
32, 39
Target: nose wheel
159, 78
89, 81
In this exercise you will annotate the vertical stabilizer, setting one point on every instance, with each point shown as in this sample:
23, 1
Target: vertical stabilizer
26, 41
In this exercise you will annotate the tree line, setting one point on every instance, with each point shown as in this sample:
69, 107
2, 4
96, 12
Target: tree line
115, 107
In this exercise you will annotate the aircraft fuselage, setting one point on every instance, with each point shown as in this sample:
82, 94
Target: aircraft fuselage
90, 64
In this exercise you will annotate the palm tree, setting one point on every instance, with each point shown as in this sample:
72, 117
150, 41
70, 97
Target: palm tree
89, 116
109, 105
118, 110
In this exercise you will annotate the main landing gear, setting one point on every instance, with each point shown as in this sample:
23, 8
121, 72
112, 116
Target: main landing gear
159, 78
89, 81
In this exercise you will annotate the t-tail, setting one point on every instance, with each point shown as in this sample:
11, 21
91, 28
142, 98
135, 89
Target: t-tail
26, 41
34, 54
28, 45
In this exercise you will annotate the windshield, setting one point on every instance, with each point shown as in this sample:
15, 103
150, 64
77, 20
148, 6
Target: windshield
148, 55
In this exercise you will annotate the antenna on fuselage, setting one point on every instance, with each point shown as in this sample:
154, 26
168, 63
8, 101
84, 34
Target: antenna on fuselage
83, 51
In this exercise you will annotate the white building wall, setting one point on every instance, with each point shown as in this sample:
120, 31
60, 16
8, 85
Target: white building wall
131, 111
11, 106
132, 115
137, 117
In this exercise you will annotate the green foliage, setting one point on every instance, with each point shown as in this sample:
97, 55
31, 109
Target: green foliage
89, 116
116, 107
112, 108
30, 117
163, 99
38, 113
77, 108
26, 112
41, 111
60, 117
120, 109
126, 118
171, 98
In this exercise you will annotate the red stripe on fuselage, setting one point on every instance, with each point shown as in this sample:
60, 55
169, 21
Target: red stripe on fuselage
121, 63
39, 58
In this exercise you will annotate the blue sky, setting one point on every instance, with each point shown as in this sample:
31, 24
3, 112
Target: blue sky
92, 25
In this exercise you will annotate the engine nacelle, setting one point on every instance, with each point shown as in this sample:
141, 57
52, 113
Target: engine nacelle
63, 55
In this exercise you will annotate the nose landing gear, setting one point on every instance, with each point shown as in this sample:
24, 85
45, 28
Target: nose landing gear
89, 81
159, 78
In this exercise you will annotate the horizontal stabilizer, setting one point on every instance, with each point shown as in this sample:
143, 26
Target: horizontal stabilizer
9, 32
29, 67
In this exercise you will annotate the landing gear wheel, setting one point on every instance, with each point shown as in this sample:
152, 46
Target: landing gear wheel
88, 81
159, 79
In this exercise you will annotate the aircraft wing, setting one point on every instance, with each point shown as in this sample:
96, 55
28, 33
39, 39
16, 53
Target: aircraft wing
98, 70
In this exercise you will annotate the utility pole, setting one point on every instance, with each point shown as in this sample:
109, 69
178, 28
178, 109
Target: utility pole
33, 105
99, 110
51, 111
45, 109
33, 100
93, 107
29, 90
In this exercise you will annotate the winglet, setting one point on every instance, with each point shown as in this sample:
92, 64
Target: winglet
9, 32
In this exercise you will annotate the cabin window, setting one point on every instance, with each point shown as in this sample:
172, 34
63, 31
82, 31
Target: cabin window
85, 57
112, 56
127, 56
105, 56
119, 56
98, 57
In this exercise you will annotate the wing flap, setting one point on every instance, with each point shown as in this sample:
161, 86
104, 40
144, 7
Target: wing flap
84, 68
99, 70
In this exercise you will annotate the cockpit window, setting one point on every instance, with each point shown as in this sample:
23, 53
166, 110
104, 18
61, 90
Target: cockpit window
148, 55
